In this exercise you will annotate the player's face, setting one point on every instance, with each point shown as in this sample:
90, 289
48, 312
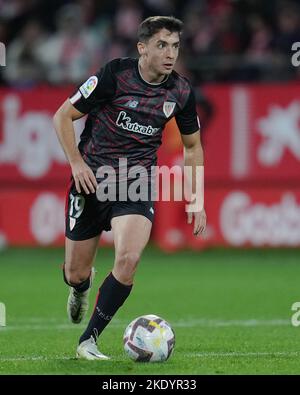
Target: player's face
160, 52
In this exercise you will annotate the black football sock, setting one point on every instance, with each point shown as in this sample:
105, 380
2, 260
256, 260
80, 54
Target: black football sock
112, 294
81, 287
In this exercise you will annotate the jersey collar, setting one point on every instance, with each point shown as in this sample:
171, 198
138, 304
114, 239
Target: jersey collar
152, 85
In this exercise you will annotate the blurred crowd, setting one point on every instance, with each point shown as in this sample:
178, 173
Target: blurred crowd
63, 42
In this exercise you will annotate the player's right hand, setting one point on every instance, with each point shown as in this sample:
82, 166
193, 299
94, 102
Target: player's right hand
84, 177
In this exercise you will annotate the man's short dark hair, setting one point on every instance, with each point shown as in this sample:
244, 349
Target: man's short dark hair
154, 24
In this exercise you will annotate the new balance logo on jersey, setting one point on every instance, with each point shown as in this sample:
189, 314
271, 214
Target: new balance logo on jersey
124, 121
132, 103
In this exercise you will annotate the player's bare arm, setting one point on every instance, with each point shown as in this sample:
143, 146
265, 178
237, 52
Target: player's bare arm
193, 157
63, 122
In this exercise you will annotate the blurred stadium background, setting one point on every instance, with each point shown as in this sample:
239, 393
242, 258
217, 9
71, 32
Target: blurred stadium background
237, 53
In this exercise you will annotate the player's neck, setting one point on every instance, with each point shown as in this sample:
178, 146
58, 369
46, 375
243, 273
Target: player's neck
150, 76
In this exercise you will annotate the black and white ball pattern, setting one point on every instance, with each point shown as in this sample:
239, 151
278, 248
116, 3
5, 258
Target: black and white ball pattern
149, 338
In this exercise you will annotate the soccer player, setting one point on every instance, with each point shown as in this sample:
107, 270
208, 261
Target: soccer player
128, 103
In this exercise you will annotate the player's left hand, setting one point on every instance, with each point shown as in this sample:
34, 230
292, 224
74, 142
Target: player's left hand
199, 221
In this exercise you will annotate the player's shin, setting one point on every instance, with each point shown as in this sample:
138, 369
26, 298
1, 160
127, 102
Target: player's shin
111, 296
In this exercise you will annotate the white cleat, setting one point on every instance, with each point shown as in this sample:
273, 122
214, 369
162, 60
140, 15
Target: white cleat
88, 350
78, 303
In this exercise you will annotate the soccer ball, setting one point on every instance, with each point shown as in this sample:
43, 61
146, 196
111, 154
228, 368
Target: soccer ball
149, 338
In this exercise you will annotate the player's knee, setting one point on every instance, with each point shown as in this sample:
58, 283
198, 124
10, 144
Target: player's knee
75, 277
126, 264
128, 259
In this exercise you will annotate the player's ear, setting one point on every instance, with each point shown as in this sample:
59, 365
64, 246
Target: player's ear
141, 48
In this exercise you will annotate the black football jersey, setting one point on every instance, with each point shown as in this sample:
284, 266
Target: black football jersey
126, 114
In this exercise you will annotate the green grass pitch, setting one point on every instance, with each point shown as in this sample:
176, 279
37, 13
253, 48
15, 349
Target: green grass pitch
230, 310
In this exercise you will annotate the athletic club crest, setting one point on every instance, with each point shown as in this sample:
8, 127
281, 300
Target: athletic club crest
168, 108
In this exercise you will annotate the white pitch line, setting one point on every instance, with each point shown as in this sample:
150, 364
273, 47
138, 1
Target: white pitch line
222, 323
16, 359
244, 354
213, 354
40, 327
44, 324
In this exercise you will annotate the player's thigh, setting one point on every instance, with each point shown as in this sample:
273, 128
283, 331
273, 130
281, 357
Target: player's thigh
80, 254
131, 233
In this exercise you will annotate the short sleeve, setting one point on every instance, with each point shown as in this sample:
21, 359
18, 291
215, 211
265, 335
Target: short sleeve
96, 90
187, 119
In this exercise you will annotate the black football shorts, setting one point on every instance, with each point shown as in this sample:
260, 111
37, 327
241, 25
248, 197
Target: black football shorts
87, 217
